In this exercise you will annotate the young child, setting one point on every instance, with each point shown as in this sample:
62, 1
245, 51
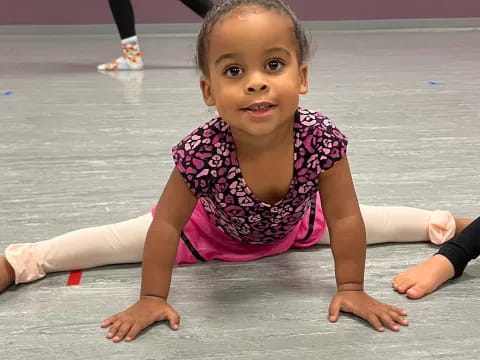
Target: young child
124, 17
263, 177
448, 263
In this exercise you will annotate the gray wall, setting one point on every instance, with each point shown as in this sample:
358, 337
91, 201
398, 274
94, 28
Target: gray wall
172, 11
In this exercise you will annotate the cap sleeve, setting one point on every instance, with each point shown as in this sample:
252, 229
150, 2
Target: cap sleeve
331, 143
192, 161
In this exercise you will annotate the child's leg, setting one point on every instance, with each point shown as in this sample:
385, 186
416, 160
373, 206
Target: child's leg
200, 7
449, 262
109, 244
124, 17
131, 58
405, 224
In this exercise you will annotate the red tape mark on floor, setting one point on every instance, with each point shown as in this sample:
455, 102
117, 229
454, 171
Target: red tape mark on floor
74, 278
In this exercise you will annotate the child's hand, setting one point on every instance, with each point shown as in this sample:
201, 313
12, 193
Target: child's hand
376, 313
142, 314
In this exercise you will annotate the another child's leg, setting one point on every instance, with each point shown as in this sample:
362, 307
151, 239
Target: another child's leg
449, 262
109, 244
200, 7
131, 58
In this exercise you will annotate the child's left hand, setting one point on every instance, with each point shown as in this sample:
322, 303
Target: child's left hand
376, 313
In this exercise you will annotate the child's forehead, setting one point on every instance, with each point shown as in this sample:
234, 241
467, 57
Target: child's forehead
252, 28
247, 12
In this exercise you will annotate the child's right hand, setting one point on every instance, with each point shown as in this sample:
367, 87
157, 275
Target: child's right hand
375, 312
127, 324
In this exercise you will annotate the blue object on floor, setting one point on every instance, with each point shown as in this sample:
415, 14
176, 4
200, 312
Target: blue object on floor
8, 93
435, 83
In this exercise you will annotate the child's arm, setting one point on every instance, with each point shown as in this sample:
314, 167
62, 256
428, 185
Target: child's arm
172, 213
348, 241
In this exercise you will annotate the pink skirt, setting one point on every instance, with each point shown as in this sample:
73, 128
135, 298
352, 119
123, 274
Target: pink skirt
202, 241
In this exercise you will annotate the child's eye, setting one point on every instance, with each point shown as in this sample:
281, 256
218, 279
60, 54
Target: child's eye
233, 71
274, 65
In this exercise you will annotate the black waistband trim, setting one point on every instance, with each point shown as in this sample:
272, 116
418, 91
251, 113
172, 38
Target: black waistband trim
191, 248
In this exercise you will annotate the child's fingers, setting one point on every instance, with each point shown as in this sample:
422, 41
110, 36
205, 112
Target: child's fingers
373, 319
134, 330
114, 328
109, 321
398, 318
388, 321
174, 320
398, 310
334, 309
122, 331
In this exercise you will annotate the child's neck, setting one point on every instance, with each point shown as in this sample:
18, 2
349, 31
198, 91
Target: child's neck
247, 145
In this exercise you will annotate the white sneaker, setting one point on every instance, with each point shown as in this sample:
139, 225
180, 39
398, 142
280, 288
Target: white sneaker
121, 64
131, 58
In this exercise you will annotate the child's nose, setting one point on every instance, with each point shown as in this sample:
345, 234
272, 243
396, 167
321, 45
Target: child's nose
256, 82
258, 86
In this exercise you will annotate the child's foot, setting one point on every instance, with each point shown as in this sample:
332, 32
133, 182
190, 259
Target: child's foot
443, 226
131, 58
121, 64
7, 275
424, 278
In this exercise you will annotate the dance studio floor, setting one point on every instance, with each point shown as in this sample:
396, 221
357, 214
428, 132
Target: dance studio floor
79, 148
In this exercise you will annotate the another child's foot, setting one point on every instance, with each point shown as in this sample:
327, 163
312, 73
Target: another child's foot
424, 278
7, 274
131, 58
121, 64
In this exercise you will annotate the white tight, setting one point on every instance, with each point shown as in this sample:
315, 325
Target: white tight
123, 242
385, 224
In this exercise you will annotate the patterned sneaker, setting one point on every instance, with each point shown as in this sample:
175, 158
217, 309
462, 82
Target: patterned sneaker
131, 59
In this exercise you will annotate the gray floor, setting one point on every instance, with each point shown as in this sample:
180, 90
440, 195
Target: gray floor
78, 148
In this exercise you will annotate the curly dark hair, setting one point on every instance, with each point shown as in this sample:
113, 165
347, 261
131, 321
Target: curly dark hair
225, 7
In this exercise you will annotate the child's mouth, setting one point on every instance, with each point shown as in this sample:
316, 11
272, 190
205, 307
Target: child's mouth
261, 109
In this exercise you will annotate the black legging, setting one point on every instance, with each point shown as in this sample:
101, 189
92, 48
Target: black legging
124, 17
463, 247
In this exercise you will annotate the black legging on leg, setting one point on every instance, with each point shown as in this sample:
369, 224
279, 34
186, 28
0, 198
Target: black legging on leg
200, 7
124, 16
463, 247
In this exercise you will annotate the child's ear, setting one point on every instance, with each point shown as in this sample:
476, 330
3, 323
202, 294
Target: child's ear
303, 78
205, 86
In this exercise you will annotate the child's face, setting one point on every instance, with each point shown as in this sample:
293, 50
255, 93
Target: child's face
254, 78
